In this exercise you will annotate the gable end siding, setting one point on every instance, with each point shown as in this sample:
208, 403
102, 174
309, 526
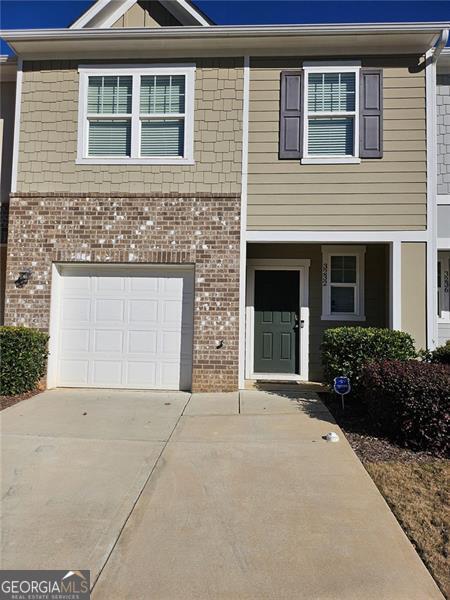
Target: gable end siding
146, 13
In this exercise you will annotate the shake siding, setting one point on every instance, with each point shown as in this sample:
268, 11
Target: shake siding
387, 193
49, 125
443, 133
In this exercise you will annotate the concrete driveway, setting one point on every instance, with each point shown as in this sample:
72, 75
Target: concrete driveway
164, 496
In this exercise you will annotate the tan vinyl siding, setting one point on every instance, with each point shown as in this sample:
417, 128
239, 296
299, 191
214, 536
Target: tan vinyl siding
375, 290
387, 193
414, 285
49, 124
146, 13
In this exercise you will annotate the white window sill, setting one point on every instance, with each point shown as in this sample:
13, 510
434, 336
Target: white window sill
443, 319
338, 160
343, 317
135, 161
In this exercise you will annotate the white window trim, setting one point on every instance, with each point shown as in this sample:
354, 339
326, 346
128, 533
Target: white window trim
331, 67
444, 291
338, 250
136, 71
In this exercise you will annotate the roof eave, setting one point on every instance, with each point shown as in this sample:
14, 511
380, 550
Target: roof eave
378, 38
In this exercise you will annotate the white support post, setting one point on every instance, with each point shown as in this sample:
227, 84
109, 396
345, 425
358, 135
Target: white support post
395, 285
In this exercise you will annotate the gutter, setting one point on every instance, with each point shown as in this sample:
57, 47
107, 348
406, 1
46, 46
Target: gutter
223, 31
440, 45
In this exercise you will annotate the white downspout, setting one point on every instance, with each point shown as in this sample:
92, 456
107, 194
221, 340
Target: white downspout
440, 45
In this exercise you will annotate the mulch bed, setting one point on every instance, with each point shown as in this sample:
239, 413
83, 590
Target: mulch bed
7, 401
366, 443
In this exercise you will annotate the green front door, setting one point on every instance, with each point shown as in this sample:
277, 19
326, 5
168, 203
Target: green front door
276, 321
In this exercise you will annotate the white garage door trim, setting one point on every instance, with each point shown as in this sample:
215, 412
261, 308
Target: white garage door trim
131, 291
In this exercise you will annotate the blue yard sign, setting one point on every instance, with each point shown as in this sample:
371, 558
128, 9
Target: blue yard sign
342, 387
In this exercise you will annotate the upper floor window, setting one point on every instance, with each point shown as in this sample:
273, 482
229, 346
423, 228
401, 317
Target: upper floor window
136, 115
331, 112
331, 117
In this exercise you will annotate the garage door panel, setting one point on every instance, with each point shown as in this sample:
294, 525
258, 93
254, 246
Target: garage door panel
108, 340
171, 311
109, 309
171, 286
170, 343
107, 373
145, 311
75, 340
170, 373
76, 310
142, 374
78, 285
120, 330
108, 284
142, 342
73, 372
144, 284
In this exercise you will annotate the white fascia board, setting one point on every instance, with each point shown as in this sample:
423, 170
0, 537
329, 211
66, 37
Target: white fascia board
234, 30
92, 12
114, 9
116, 14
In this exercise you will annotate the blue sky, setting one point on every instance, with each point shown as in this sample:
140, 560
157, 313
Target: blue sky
24, 14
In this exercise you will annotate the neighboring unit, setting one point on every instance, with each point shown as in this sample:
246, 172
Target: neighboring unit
443, 195
194, 204
8, 68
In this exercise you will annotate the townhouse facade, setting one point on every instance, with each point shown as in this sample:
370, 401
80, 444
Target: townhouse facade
193, 205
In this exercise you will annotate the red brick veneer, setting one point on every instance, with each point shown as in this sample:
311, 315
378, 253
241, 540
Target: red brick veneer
198, 229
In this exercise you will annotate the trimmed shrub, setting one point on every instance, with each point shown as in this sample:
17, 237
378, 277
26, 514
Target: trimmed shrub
442, 354
345, 350
408, 401
23, 358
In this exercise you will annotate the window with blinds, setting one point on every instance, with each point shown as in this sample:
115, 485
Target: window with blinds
109, 115
331, 113
162, 112
138, 115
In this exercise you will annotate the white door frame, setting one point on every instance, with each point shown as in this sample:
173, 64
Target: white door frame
266, 264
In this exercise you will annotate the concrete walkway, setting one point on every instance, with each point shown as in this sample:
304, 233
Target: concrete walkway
166, 497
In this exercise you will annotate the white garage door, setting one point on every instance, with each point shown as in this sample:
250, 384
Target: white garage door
125, 327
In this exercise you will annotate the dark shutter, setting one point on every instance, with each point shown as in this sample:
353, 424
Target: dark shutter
371, 113
291, 114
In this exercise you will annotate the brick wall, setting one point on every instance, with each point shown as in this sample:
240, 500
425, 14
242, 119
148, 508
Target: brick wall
200, 229
443, 133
